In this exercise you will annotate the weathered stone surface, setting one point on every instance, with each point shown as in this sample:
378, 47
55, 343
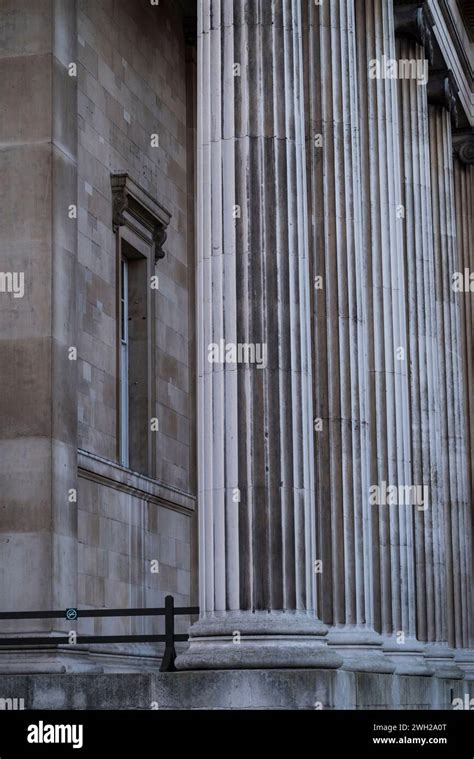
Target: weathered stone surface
306, 689
380, 209
457, 499
38, 414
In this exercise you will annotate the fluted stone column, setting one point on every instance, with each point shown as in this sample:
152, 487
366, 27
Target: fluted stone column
464, 201
388, 348
430, 575
340, 337
256, 466
451, 380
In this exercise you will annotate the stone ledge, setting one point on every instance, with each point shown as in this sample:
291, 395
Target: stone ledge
113, 475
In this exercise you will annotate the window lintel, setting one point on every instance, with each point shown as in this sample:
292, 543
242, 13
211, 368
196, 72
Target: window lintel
135, 208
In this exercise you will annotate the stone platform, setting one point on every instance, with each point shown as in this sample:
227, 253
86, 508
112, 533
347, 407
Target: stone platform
239, 689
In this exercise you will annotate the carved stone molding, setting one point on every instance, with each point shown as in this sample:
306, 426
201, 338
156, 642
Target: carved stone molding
159, 239
134, 207
463, 143
414, 21
442, 91
119, 201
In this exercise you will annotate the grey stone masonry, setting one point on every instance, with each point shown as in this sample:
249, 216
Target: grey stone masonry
38, 338
236, 349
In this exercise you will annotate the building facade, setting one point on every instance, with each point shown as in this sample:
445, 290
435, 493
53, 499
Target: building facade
237, 242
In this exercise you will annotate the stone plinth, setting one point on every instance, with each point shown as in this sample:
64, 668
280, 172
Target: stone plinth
307, 689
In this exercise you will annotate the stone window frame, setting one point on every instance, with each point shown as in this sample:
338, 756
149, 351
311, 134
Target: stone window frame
141, 222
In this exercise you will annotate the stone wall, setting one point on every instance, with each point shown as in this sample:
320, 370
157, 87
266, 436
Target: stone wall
133, 84
38, 241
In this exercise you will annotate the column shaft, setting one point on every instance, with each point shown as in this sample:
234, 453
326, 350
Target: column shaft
451, 381
389, 420
425, 408
340, 334
464, 198
256, 466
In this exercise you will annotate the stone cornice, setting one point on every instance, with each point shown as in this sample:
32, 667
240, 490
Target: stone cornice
442, 91
463, 143
448, 11
414, 21
451, 48
134, 207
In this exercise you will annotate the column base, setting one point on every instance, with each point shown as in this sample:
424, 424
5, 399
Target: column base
258, 640
360, 648
464, 659
440, 658
408, 657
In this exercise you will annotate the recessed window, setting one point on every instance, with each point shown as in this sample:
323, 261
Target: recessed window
140, 226
124, 381
134, 376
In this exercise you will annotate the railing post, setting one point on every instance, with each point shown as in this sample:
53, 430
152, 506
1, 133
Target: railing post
167, 665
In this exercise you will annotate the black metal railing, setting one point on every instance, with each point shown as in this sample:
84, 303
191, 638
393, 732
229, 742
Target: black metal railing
168, 611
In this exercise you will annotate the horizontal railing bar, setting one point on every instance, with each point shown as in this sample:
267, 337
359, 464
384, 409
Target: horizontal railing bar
88, 613
33, 615
80, 639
